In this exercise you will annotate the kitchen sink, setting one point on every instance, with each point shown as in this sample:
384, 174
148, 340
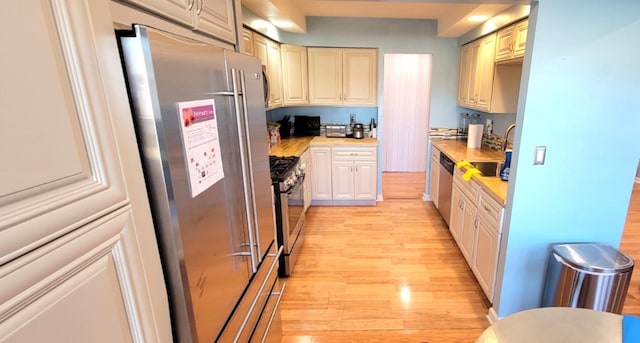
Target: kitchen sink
488, 168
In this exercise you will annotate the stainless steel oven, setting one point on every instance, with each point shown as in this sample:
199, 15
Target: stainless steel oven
288, 175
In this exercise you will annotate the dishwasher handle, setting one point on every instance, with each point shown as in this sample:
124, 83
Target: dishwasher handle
446, 163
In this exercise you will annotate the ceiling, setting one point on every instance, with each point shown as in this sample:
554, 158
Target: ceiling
290, 15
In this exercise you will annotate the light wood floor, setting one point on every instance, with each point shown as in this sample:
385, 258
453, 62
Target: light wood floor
391, 273
630, 245
404, 185
385, 273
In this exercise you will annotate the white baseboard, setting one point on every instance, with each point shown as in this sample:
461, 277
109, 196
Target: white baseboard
426, 197
379, 198
492, 316
638, 180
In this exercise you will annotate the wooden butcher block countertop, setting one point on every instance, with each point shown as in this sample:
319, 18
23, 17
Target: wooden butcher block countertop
457, 150
294, 146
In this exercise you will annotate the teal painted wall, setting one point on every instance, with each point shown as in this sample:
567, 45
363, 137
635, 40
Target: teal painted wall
579, 97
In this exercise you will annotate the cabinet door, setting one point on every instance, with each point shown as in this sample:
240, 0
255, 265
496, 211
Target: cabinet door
321, 173
261, 49
306, 159
342, 180
434, 179
78, 289
294, 75
472, 91
247, 42
456, 220
469, 228
484, 74
325, 76
464, 76
215, 17
520, 38
485, 259
504, 44
275, 74
365, 180
359, 76
60, 160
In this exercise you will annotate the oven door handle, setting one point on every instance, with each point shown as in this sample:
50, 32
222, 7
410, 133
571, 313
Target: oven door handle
296, 187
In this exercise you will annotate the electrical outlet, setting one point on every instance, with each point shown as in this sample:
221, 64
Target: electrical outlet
353, 118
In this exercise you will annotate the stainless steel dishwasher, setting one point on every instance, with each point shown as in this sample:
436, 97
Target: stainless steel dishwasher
444, 187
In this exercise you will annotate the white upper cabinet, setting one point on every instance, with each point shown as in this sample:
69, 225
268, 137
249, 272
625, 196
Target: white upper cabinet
56, 136
484, 73
325, 76
511, 42
247, 42
294, 75
360, 77
214, 17
268, 52
484, 84
343, 76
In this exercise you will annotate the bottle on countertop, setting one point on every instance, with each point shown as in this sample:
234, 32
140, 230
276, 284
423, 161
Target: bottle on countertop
506, 168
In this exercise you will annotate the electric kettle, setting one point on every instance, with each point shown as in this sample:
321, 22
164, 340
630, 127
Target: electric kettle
358, 131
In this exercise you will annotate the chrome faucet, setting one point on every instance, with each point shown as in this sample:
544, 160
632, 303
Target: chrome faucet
506, 136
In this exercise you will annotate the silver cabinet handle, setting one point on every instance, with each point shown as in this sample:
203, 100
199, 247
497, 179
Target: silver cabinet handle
487, 209
191, 2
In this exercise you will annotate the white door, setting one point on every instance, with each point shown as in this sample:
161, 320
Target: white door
407, 99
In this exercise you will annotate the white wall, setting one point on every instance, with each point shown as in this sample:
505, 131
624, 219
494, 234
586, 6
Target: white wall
579, 98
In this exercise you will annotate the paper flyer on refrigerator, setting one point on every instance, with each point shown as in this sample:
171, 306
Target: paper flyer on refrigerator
201, 144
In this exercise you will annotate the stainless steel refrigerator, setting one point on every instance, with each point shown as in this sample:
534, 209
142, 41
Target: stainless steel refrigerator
200, 121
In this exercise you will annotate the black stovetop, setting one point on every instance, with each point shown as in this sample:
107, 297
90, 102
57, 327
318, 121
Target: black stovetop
280, 166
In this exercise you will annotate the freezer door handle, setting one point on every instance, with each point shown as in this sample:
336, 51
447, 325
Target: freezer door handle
246, 175
275, 311
274, 264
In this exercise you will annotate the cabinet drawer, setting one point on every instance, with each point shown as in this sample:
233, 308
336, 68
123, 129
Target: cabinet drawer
469, 188
435, 153
490, 211
351, 153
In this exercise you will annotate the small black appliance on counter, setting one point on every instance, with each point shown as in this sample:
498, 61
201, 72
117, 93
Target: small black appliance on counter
306, 126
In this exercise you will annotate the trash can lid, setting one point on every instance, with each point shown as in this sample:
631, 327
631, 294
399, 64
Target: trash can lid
593, 257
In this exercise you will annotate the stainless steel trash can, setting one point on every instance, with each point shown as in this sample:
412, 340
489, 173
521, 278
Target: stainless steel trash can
587, 275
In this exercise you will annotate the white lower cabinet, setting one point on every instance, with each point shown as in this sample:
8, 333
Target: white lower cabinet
352, 177
306, 159
320, 173
467, 242
476, 226
434, 175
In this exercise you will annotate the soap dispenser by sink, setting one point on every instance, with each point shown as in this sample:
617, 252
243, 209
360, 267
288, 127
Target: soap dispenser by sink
506, 168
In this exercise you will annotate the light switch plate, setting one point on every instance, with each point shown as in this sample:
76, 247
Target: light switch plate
539, 155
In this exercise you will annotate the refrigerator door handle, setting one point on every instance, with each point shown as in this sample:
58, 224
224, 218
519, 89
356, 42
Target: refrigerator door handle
246, 175
245, 111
